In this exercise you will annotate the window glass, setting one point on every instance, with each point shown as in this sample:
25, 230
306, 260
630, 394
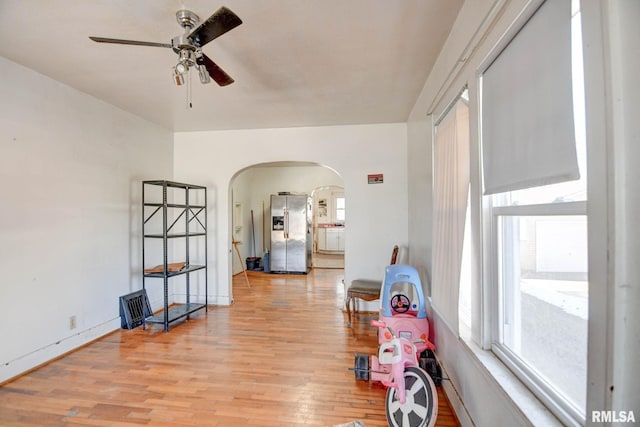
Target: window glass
544, 298
464, 298
340, 209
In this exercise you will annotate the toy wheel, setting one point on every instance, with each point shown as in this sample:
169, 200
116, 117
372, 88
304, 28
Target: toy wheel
421, 406
361, 367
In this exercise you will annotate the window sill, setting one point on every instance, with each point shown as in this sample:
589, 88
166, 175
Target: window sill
514, 391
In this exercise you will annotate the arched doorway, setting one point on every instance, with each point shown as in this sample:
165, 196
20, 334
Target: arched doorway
250, 190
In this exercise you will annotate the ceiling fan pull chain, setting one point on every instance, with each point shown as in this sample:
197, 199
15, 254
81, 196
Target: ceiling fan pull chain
189, 105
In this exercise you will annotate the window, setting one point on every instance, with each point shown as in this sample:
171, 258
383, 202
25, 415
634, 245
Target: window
538, 260
541, 263
340, 212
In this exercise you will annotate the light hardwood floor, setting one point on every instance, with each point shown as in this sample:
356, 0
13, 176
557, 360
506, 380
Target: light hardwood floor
279, 356
322, 260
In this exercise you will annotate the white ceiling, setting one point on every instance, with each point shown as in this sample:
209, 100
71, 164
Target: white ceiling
295, 62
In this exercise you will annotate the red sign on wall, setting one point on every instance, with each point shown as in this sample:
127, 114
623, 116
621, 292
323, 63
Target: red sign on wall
375, 178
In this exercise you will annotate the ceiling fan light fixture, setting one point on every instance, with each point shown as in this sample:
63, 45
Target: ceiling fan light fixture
204, 74
178, 77
182, 67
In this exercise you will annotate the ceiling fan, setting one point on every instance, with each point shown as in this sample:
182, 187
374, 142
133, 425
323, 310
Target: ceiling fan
188, 46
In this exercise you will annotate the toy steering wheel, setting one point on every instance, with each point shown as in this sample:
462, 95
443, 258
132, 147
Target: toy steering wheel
400, 303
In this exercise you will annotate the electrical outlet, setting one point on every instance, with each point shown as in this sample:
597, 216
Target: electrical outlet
72, 322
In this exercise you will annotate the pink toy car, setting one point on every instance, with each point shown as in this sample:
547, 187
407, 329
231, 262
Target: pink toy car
405, 351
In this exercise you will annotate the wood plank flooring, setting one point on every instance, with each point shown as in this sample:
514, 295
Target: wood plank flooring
279, 356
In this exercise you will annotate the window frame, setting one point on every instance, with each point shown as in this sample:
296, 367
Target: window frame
490, 304
563, 408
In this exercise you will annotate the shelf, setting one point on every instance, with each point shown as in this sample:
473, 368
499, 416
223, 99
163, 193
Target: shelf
175, 312
174, 184
187, 212
176, 273
174, 235
175, 205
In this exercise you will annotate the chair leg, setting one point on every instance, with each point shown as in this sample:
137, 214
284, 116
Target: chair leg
348, 304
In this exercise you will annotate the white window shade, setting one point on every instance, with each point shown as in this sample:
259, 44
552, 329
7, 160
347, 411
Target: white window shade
528, 135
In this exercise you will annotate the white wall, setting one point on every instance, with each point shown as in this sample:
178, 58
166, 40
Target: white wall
213, 158
486, 393
420, 203
71, 167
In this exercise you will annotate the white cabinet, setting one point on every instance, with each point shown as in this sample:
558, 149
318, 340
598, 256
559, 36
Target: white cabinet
321, 238
331, 239
335, 239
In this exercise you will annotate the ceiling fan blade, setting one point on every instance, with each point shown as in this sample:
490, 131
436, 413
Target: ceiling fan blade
216, 73
133, 42
220, 22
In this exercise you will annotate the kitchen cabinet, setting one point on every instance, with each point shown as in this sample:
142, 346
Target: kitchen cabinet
335, 239
331, 239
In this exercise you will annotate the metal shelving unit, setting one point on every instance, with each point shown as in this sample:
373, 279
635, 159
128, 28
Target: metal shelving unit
188, 218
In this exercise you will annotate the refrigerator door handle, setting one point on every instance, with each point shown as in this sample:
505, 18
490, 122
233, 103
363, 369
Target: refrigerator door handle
286, 224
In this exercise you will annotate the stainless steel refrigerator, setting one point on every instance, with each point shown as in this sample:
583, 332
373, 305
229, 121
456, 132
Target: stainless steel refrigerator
290, 234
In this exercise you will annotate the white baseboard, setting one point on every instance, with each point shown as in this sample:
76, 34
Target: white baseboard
41, 356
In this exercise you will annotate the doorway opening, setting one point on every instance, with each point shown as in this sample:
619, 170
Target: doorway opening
329, 220
250, 216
